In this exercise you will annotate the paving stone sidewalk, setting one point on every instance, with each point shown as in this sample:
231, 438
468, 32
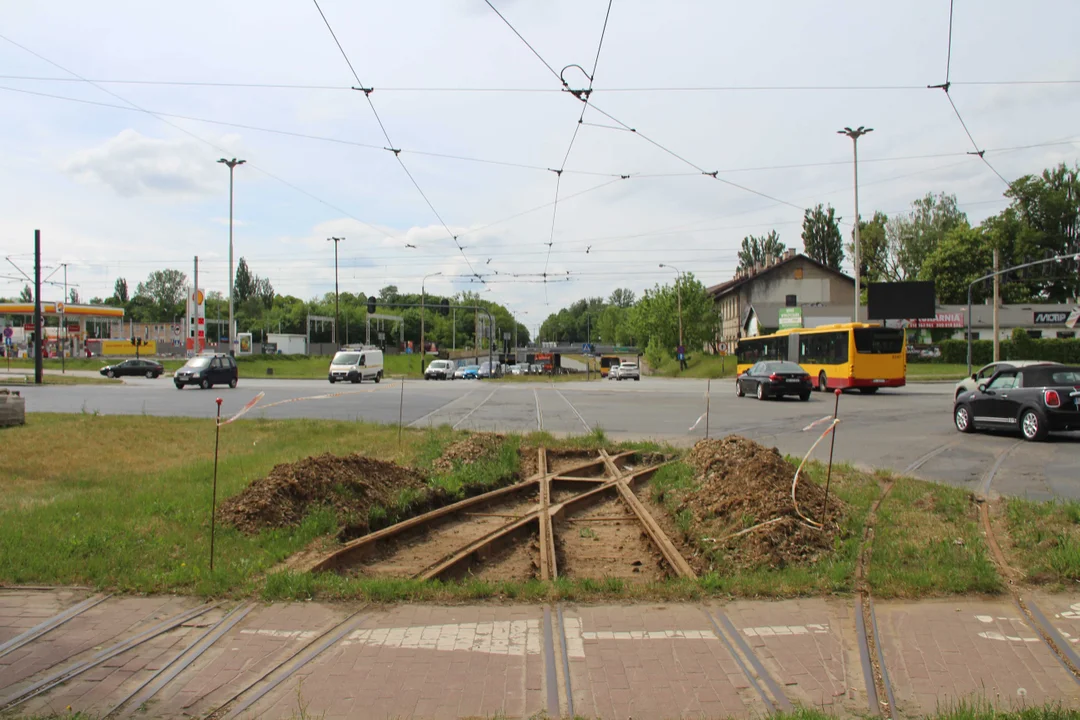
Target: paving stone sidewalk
174, 657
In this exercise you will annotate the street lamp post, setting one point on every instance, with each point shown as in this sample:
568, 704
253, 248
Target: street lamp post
232, 166
337, 310
855, 135
678, 292
422, 353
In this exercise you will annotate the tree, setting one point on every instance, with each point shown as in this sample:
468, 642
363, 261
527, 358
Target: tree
120, 290
244, 284
656, 315
757, 249
27, 294
264, 292
621, 298
389, 294
821, 236
73, 296
963, 255
912, 237
164, 288
873, 248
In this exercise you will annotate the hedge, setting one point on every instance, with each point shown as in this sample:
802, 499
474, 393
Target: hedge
982, 351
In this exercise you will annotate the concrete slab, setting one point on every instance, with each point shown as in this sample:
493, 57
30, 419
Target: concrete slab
945, 651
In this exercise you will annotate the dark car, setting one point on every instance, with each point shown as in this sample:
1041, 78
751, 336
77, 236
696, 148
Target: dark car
206, 371
1037, 400
148, 368
488, 370
775, 379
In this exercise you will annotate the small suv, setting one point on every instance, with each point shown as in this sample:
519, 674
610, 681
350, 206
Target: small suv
439, 370
206, 371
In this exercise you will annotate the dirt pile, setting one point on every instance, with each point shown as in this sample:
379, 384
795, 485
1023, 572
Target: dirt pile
742, 508
350, 485
467, 451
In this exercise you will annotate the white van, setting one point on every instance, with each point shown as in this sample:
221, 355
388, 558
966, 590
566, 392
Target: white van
356, 365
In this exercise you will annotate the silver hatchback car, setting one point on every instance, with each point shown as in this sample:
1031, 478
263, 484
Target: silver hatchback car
983, 374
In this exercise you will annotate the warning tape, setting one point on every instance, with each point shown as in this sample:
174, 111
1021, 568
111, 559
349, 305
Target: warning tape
698, 422
795, 480
814, 424
244, 410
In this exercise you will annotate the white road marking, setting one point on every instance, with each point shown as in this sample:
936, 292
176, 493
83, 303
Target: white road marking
469, 414
774, 630
984, 618
539, 413
994, 635
575, 637
503, 637
587, 428
439, 409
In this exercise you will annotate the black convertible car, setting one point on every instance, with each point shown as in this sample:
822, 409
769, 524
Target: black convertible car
1037, 400
147, 368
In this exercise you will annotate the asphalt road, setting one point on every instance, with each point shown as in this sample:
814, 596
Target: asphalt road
908, 430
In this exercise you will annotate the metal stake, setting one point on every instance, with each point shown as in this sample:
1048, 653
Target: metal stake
213, 502
708, 394
401, 410
832, 444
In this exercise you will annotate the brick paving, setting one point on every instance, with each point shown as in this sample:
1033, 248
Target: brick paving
629, 661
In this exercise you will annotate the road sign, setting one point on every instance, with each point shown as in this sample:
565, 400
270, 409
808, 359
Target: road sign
8, 332
28, 327
198, 297
506, 336
176, 330
73, 327
790, 318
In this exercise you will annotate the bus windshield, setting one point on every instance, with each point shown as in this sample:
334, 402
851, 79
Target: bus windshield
879, 341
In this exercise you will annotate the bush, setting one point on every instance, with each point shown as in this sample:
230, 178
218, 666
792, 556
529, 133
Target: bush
1025, 348
655, 353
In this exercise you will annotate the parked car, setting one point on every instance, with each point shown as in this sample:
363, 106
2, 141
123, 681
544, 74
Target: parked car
439, 370
613, 372
983, 374
149, 368
356, 365
1037, 399
206, 371
488, 370
459, 372
470, 372
628, 371
775, 379
517, 369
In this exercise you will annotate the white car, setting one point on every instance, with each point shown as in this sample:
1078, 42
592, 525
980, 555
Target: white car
356, 365
628, 371
613, 372
970, 384
439, 370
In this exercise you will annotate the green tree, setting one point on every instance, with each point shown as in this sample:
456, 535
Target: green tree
27, 294
757, 249
244, 284
873, 248
163, 293
963, 255
389, 294
264, 292
821, 236
621, 298
120, 290
73, 296
911, 237
656, 315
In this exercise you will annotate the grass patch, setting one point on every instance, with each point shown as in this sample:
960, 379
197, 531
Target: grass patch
700, 365
1044, 540
927, 541
936, 371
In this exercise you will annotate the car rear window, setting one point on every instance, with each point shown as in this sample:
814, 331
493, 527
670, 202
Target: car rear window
879, 341
788, 367
1051, 376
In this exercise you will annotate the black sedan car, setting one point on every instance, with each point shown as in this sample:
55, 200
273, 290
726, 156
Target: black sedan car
146, 368
1037, 400
774, 379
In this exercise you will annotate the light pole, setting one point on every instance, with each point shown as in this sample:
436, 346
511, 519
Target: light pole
337, 311
678, 292
855, 135
232, 166
422, 353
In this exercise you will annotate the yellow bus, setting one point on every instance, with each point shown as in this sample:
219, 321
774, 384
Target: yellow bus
606, 363
849, 355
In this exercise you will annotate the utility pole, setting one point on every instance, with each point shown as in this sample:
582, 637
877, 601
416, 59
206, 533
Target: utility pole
855, 135
337, 311
997, 301
232, 166
422, 348
194, 329
453, 332
62, 330
38, 369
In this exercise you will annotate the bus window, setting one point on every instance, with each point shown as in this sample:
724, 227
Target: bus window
829, 348
879, 341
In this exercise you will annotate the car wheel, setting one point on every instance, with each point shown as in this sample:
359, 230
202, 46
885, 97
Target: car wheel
356, 380
822, 382
232, 383
761, 394
738, 389
332, 381
637, 379
962, 419
110, 374
205, 384
150, 375
1032, 426
378, 377
804, 396
179, 386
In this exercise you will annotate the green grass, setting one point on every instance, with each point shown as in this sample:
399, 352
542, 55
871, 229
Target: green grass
936, 371
927, 541
1044, 539
700, 365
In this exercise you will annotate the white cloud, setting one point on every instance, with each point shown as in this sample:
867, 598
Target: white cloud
132, 164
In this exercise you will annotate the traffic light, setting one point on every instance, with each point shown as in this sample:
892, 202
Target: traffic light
371, 305
444, 307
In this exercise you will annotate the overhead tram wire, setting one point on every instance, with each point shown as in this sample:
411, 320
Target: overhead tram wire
397, 151
162, 118
981, 153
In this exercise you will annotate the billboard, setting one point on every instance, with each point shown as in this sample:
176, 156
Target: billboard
901, 301
245, 343
790, 317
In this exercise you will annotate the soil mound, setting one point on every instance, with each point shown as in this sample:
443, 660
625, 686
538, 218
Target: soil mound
467, 451
350, 485
743, 510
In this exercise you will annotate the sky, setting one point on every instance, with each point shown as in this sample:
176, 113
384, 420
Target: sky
107, 148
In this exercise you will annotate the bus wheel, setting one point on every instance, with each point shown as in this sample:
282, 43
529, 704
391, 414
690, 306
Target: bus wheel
822, 382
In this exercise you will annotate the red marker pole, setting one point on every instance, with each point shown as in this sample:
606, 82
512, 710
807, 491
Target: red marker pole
213, 502
832, 444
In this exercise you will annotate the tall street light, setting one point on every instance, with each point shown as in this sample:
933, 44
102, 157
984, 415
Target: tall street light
422, 353
855, 135
337, 311
678, 292
232, 166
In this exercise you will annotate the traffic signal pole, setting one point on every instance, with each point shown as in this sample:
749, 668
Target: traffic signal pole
38, 368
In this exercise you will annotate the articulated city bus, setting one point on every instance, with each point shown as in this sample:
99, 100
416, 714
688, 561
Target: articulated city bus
607, 362
848, 355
